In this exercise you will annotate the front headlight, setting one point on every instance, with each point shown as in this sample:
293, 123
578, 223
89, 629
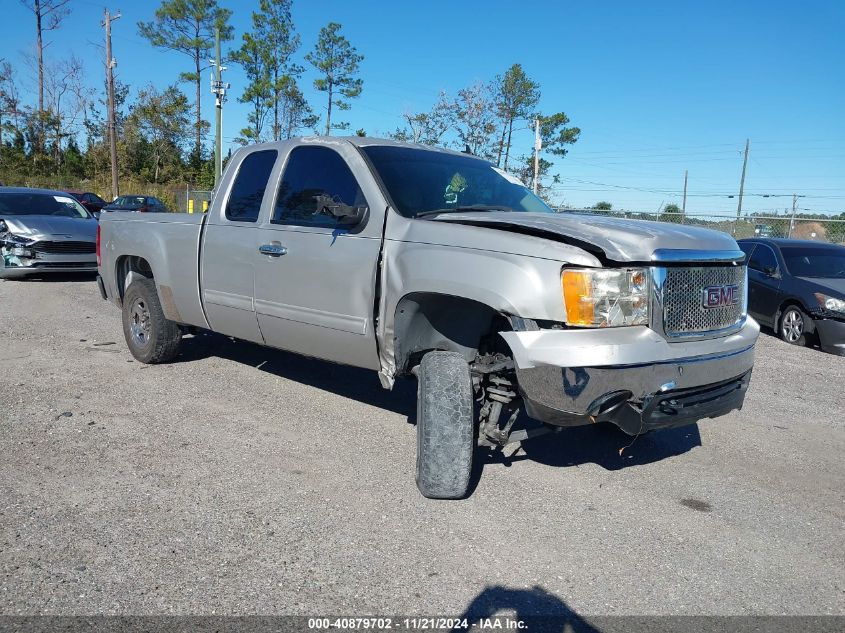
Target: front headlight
16, 245
14, 240
597, 297
830, 303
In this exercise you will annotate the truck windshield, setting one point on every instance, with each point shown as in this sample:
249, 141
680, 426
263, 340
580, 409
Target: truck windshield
423, 182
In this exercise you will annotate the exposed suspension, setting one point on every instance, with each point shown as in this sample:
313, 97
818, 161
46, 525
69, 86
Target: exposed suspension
495, 385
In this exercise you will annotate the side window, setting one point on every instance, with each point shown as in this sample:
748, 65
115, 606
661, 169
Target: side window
763, 259
312, 175
244, 202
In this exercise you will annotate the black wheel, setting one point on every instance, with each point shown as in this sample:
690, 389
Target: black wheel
150, 336
793, 326
445, 426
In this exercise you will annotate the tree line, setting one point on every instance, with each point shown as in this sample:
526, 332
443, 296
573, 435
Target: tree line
59, 137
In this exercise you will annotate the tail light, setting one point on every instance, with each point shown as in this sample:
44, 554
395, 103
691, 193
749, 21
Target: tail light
98, 246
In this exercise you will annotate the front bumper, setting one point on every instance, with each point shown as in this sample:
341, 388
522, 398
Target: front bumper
831, 335
47, 263
630, 376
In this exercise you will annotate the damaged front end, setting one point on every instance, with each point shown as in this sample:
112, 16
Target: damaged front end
16, 251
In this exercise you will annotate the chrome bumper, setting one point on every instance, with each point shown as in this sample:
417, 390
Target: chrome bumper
630, 376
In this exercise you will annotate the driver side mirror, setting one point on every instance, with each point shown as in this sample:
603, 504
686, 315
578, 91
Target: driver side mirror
770, 271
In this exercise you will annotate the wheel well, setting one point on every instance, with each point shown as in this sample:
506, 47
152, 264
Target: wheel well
431, 321
126, 268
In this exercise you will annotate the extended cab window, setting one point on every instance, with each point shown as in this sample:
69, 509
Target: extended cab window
314, 175
763, 259
244, 202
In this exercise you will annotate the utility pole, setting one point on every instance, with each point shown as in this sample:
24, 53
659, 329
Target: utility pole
218, 89
538, 145
795, 197
684, 205
741, 184
111, 62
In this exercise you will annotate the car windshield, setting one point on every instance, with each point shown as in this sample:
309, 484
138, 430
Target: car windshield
828, 263
128, 201
423, 182
41, 204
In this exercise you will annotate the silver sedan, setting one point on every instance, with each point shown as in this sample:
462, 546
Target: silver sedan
44, 231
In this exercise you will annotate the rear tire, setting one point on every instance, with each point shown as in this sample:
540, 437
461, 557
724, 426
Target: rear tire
445, 426
150, 336
793, 326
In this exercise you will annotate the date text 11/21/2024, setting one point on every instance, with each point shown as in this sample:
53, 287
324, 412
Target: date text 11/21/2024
415, 624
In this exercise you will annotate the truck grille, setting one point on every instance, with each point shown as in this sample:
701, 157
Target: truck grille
65, 248
684, 311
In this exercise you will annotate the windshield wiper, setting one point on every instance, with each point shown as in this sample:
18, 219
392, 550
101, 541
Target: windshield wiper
470, 207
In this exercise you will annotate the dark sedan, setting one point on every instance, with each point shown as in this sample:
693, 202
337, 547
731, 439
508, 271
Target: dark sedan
798, 288
89, 200
142, 204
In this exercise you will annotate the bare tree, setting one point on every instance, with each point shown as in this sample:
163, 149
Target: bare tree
9, 100
63, 82
430, 127
476, 120
48, 17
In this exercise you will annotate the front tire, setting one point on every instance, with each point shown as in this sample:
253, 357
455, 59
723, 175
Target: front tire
793, 326
151, 338
445, 426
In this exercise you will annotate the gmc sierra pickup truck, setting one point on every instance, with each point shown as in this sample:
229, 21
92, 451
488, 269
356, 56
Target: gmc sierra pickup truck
417, 262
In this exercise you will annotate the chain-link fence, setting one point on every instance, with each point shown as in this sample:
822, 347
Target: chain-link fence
194, 201
746, 226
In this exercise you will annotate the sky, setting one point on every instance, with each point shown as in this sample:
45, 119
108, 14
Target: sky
656, 87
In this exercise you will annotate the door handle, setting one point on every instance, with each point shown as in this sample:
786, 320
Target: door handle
273, 250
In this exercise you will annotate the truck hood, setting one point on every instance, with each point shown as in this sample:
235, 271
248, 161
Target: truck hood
49, 227
618, 239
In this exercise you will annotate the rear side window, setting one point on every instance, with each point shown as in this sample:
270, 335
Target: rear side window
244, 202
311, 173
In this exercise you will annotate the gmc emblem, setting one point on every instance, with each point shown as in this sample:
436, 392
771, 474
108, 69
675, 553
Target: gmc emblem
721, 296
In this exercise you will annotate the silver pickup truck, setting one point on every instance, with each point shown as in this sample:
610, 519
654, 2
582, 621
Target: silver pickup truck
412, 261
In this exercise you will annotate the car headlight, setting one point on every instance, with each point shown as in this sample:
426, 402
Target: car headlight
830, 303
14, 240
16, 245
597, 297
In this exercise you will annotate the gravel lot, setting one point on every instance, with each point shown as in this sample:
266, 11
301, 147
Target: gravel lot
241, 480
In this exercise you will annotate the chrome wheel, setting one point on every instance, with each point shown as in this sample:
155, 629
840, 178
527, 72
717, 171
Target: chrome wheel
792, 326
139, 322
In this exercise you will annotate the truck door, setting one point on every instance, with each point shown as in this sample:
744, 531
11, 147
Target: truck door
229, 246
315, 276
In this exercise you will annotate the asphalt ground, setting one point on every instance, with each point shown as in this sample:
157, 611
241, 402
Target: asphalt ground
242, 480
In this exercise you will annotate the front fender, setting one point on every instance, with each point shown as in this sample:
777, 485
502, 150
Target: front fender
507, 283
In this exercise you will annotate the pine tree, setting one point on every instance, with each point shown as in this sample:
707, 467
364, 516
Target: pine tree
187, 26
337, 61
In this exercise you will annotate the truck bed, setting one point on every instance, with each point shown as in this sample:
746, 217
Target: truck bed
170, 244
